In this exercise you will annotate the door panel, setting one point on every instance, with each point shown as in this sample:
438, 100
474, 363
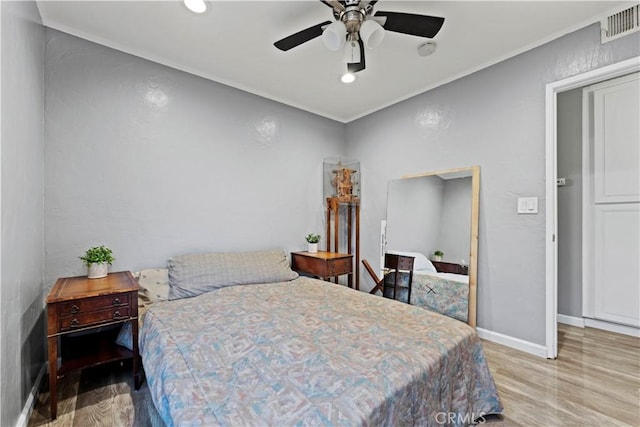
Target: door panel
616, 132
611, 201
617, 271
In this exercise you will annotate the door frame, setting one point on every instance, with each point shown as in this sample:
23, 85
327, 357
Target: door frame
551, 190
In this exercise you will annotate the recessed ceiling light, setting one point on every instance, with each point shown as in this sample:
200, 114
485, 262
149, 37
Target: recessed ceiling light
196, 6
348, 78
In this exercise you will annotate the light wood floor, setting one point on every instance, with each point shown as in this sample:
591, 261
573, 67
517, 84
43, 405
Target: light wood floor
100, 397
594, 382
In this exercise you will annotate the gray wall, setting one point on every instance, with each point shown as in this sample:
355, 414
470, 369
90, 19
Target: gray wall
494, 118
22, 331
570, 203
413, 214
454, 235
429, 213
154, 162
426, 214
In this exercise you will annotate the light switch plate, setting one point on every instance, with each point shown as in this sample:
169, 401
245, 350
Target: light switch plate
527, 205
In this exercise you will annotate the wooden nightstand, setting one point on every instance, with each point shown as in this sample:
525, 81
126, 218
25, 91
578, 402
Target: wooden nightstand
83, 316
323, 265
449, 267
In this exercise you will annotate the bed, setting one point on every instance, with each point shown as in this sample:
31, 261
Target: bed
238, 344
444, 293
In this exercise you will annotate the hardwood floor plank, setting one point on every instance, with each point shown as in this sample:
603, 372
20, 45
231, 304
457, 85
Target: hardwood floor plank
594, 381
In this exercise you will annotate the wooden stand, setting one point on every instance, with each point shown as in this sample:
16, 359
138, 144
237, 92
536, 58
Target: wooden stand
81, 312
352, 206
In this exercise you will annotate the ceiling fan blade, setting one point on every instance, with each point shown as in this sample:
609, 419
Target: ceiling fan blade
300, 37
409, 23
379, 19
334, 4
354, 67
367, 4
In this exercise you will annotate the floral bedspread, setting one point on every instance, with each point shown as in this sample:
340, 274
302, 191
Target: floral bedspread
308, 352
439, 294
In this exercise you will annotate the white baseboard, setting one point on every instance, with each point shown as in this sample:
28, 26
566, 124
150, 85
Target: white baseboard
571, 320
23, 420
517, 343
612, 327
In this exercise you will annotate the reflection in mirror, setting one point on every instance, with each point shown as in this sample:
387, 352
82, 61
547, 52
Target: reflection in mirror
432, 213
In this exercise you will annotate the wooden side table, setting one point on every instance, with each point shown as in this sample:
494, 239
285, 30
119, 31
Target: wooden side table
449, 267
323, 265
79, 313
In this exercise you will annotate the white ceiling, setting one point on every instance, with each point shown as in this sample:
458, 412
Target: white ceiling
232, 43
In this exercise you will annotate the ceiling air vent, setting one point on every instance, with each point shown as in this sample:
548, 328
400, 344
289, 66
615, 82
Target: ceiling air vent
620, 24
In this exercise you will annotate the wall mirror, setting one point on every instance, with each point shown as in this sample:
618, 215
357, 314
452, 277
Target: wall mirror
438, 212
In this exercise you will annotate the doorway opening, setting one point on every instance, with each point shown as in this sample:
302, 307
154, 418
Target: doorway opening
551, 194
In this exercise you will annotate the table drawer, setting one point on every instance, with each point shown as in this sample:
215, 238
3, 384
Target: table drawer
81, 320
340, 266
92, 304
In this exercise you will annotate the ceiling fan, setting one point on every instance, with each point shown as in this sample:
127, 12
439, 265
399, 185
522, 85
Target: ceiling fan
357, 26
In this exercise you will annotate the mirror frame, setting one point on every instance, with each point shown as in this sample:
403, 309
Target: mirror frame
473, 244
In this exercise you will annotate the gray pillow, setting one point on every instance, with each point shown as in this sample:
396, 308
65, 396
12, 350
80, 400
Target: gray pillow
194, 274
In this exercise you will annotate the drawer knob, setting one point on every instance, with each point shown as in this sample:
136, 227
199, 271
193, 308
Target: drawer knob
74, 309
116, 314
74, 322
116, 301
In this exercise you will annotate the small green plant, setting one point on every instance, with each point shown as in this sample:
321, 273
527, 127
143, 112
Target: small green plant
313, 238
438, 253
97, 255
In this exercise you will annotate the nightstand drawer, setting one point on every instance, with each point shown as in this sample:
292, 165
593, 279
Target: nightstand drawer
322, 264
81, 320
339, 266
93, 304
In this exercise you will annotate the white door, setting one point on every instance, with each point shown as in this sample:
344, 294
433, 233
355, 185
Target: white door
611, 201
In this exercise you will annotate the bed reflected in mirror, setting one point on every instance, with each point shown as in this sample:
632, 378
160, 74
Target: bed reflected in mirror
433, 217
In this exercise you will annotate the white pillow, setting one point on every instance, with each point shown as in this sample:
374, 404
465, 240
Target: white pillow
153, 287
421, 262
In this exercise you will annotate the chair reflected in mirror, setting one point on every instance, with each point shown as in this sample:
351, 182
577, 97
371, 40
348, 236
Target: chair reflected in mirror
397, 277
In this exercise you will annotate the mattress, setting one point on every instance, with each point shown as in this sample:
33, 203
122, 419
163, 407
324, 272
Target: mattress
308, 352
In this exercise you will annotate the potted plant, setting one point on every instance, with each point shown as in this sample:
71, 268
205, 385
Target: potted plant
437, 255
312, 242
97, 259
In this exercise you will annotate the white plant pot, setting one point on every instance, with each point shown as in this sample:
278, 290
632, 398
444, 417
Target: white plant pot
97, 270
312, 248
437, 258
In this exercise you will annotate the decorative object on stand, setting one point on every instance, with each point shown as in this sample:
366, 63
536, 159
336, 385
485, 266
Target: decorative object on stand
437, 255
97, 259
312, 242
341, 184
342, 179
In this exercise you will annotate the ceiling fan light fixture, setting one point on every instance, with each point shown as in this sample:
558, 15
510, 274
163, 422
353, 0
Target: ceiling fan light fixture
196, 6
351, 52
348, 78
334, 35
371, 33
